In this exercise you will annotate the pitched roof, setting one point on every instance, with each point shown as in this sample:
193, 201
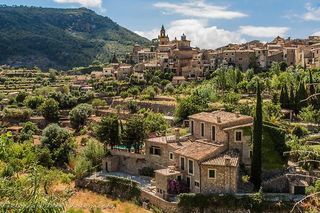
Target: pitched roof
220, 160
198, 150
226, 118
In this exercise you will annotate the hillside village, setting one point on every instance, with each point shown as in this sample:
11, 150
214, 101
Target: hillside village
190, 63
171, 128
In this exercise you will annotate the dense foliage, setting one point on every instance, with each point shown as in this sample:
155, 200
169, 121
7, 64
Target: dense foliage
60, 38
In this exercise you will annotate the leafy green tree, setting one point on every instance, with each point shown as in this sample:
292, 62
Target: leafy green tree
134, 91
195, 103
34, 102
98, 103
59, 142
89, 159
132, 106
50, 110
149, 93
28, 130
257, 140
155, 122
308, 114
134, 133
108, 130
79, 115
21, 97
169, 88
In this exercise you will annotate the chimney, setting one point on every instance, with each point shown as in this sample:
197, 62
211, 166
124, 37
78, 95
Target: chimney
177, 134
218, 119
227, 161
171, 169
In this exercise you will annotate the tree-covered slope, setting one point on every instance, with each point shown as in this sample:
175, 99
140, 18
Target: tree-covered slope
60, 38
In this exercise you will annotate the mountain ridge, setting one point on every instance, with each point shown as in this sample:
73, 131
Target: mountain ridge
60, 38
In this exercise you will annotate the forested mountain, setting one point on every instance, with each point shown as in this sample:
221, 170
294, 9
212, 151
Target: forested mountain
60, 38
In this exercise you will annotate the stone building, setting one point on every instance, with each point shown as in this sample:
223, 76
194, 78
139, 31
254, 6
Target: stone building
205, 161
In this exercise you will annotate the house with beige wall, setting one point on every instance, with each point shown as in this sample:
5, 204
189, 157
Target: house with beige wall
206, 160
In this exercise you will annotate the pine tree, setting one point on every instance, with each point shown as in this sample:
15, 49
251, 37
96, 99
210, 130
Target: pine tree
114, 59
257, 140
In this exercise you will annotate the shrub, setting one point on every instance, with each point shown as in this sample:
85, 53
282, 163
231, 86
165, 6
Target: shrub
50, 110
132, 106
16, 114
149, 93
34, 102
299, 131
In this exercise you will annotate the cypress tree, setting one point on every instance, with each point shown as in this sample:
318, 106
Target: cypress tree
312, 91
311, 88
292, 100
300, 96
257, 140
284, 97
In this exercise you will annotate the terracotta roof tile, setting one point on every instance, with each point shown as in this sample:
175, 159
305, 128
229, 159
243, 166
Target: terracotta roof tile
198, 150
227, 118
220, 160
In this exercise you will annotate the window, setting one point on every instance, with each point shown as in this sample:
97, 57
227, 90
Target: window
250, 154
192, 128
190, 166
196, 184
171, 156
182, 163
202, 129
179, 178
154, 150
213, 133
211, 173
238, 136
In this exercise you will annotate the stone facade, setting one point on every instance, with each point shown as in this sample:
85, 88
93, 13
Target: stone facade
207, 160
225, 180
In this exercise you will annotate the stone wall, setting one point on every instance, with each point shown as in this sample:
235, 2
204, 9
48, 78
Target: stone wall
243, 147
225, 181
102, 187
221, 136
162, 161
130, 162
167, 109
166, 206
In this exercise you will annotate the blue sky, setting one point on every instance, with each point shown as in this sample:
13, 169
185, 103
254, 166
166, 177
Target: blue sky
207, 23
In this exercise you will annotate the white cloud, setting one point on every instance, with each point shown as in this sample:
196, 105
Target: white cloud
199, 9
263, 32
85, 3
316, 34
200, 34
312, 14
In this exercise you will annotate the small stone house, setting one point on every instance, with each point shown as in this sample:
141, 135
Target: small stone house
209, 160
205, 161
